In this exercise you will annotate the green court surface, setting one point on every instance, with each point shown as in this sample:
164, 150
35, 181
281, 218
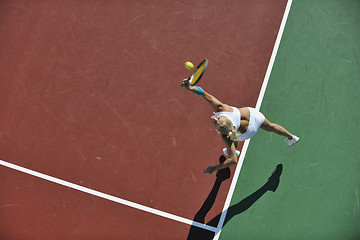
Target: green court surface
314, 92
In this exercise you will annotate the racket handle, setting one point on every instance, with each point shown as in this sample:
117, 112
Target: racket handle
183, 82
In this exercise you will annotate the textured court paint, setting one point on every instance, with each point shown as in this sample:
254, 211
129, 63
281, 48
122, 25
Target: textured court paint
81, 101
68, 214
314, 92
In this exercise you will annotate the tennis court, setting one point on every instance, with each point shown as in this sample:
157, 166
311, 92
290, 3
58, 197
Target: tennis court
99, 141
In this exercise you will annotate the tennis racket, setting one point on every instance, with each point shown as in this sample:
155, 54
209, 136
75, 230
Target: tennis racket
198, 73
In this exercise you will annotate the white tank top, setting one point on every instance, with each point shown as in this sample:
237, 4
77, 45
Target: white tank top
234, 116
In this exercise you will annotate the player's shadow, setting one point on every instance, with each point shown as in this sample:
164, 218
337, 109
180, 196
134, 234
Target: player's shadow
199, 233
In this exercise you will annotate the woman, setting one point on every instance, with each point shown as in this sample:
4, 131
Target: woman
236, 124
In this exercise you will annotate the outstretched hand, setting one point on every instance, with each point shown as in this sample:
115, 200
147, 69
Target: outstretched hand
209, 170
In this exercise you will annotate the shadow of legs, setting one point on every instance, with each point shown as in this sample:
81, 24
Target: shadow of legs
198, 233
271, 185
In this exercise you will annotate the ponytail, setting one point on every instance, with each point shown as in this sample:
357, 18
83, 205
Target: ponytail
233, 135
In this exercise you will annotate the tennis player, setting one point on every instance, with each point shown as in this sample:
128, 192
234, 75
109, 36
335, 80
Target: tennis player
236, 124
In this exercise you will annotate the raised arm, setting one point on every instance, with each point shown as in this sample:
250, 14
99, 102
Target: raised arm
214, 102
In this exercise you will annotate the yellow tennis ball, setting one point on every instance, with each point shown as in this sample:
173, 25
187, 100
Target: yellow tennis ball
189, 65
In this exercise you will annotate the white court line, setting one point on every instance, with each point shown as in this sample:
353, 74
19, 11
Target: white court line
258, 105
107, 196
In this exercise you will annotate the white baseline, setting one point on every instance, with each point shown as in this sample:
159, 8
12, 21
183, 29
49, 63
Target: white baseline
107, 196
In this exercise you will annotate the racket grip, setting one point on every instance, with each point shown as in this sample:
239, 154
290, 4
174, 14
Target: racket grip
183, 82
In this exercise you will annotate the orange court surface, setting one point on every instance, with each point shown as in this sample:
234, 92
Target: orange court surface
91, 96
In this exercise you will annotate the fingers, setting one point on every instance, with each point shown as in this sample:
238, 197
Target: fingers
208, 170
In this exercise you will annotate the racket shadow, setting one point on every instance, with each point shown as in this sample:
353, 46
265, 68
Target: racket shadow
197, 233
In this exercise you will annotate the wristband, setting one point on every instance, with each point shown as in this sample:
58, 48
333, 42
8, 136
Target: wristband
200, 91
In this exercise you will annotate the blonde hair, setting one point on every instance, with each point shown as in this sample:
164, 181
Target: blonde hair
226, 128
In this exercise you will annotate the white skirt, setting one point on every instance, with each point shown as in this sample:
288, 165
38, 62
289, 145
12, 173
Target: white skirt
256, 120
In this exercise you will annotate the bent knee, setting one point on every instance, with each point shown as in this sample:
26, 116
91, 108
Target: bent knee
267, 125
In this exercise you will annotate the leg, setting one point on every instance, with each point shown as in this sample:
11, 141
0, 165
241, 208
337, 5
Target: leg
275, 128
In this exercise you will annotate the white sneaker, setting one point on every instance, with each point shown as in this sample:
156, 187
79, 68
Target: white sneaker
226, 152
292, 141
